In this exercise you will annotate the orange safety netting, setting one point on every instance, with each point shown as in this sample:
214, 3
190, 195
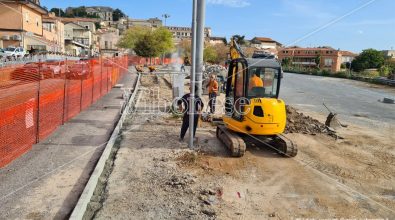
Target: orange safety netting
35, 98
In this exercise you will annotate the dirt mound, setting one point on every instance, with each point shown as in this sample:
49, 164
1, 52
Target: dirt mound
299, 123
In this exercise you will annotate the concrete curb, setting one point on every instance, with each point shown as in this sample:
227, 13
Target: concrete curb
82, 204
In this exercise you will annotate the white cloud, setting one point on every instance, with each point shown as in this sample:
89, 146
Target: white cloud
230, 3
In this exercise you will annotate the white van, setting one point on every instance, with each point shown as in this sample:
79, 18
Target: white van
15, 52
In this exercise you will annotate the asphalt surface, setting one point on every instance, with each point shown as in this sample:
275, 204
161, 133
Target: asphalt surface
46, 182
354, 101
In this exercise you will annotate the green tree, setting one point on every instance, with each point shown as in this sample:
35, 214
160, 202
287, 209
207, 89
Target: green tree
58, 12
210, 55
385, 70
225, 41
368, 59
286, 61
146, 42
240, 39
131, 36
117, 14
163, 40
317, 61
97, 25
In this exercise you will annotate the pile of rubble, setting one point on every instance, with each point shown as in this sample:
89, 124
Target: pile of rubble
300, 123
214, 69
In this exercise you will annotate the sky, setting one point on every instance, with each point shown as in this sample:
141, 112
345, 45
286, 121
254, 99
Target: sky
346, 24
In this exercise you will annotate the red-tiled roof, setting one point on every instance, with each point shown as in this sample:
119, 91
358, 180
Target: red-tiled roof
348, 53
308, 48
264, 39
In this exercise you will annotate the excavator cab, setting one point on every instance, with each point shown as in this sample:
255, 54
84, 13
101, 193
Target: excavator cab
252, 105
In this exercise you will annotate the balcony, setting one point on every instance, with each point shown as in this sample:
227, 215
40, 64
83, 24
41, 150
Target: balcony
84, 41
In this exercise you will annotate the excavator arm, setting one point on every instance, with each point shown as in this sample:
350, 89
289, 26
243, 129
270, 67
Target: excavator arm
235, 50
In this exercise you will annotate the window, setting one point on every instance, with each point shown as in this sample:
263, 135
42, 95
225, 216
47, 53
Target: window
262, 82
328, 62
239, 80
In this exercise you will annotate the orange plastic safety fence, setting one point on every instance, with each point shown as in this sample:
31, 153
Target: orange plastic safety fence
36, 98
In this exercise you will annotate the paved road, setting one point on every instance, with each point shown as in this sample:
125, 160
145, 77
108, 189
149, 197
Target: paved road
354, 101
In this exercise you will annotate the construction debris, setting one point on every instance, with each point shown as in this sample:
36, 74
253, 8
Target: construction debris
300, 123
139, 68
213, 69
152, 69
388, 101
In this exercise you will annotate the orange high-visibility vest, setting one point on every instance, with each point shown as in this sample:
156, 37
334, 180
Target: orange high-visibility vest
255, 82
213, 86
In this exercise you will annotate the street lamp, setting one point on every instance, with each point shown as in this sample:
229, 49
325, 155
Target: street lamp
165, 16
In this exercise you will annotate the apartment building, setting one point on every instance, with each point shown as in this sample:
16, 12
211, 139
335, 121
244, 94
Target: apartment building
150, 22
105, 13
389, 54
89, 24
53, 31
180, 33
21, 24
330, 58
108, 39
265, 43
78, 39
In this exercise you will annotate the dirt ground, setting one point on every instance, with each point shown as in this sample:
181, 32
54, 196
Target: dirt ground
157, 177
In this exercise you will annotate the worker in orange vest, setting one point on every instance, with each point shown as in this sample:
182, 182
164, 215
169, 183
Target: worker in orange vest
255, 81
212, 93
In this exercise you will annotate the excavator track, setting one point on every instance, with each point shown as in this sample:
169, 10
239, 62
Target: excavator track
284, 146
232, 141
237, 143
279, 143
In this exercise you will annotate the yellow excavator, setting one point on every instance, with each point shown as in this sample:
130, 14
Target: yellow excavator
254, 115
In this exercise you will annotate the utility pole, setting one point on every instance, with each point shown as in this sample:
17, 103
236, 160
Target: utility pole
193, 75
200, 37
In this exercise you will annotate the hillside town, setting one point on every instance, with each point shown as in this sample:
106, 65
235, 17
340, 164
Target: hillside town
30, 28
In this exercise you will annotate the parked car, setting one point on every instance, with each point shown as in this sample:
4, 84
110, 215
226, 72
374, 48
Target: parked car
54, 68
34, 71
79, 70
15, 52
2, 53
28, 72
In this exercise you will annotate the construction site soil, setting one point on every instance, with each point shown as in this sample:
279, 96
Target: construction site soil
157, 177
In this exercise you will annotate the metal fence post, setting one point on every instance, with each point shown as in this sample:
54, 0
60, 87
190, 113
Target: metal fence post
64, 93
107, 77
81, 88
38, 103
